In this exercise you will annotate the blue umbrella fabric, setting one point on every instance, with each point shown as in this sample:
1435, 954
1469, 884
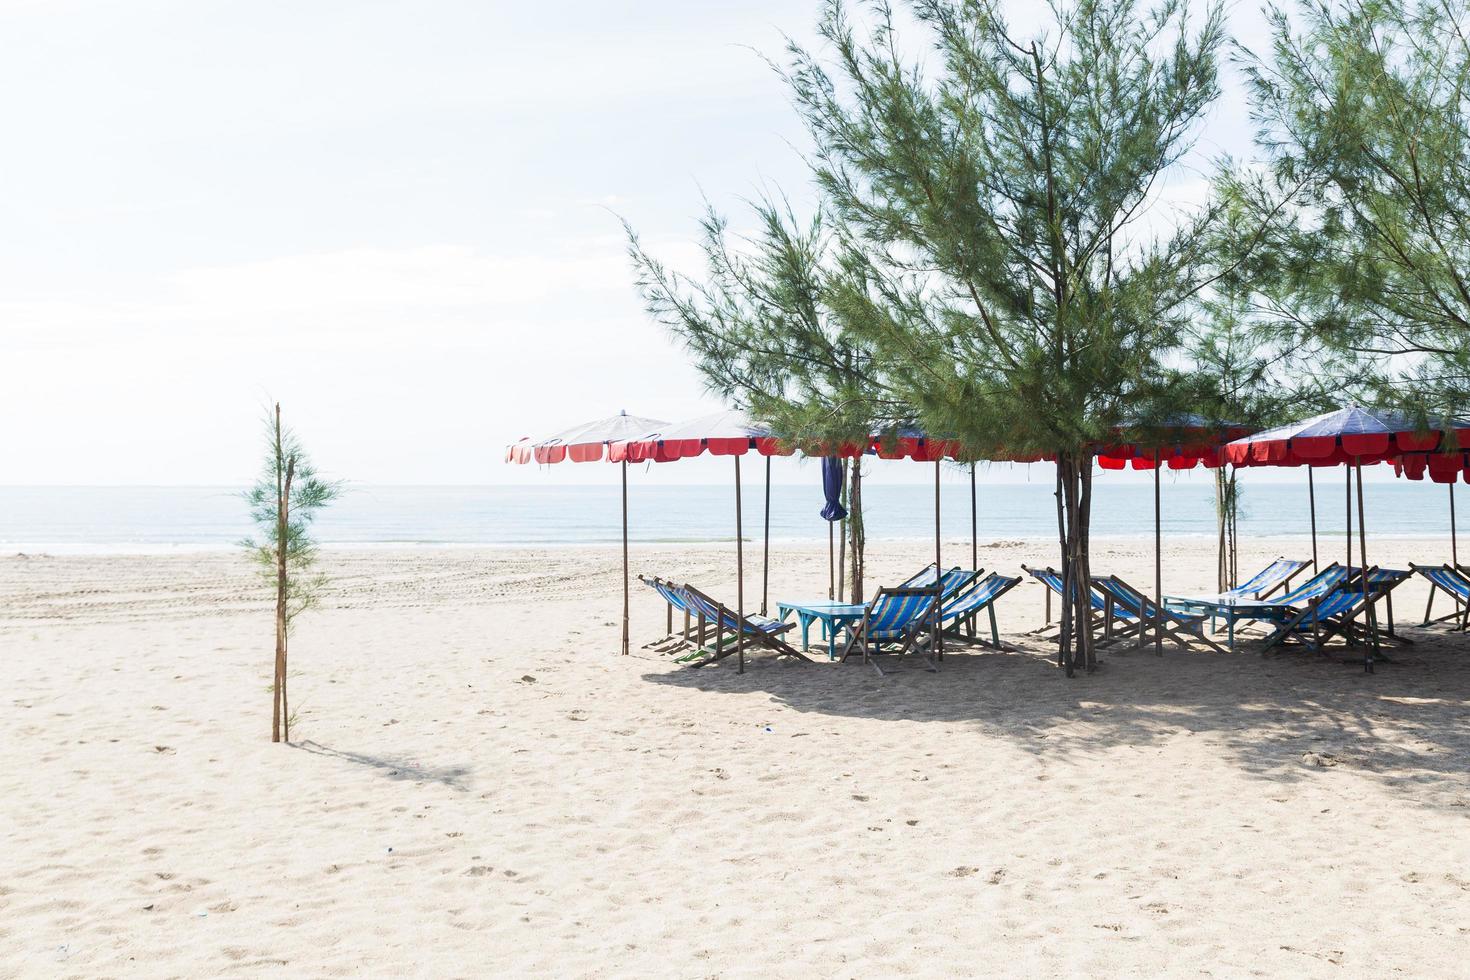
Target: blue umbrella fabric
832, 488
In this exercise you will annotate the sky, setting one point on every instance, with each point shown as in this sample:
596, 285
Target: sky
399, 219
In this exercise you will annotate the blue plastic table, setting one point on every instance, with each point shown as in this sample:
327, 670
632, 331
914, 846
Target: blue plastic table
832, 615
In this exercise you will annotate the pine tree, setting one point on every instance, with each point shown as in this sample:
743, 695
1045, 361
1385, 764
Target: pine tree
990, 201
283, 504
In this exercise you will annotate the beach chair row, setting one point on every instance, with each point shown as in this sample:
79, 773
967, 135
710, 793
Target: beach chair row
920, 615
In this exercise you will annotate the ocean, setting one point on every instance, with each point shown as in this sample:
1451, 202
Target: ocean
151, 519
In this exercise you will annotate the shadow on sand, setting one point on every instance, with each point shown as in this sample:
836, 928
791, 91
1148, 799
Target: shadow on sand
455, 777
1406, 726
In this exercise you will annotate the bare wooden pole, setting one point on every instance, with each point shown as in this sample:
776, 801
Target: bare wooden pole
625, 557
766, 550
739, 577
1312, 500
1372, 653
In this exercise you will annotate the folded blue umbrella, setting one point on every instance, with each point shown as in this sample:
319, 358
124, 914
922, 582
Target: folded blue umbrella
832, 487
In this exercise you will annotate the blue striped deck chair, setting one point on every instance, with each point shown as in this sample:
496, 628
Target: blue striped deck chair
1118, 622
750, 631
1453, 583
895, 616
1277, 575
1276, 609
962, 610
676, 600
954, 580
1162, 622
1336, 614
1323, 617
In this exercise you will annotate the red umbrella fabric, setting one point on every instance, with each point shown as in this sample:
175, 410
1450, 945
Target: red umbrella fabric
584, 443
1348, 435
1440, 467
728, 433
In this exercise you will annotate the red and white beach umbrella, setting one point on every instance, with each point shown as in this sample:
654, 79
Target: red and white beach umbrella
588, 443
729, 433
1349, 436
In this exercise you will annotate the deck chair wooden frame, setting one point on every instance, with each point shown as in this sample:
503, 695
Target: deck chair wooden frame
1337, 621
1156, 620
672, 640
726, 620
1115, 626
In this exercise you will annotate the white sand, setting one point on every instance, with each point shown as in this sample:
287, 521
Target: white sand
446, 815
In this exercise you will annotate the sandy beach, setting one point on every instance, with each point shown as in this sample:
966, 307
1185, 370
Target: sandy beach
481, 786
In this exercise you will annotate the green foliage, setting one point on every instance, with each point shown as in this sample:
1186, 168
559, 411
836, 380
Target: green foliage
990, 203
1364, 109
767, 329
309, 493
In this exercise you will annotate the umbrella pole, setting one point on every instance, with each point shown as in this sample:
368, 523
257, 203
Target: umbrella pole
625, 557
938, 568
1312, 502
1372, 653
766, 555
1158, 563
1349, 562
739, 577
1454, 543
842, 540
974, 524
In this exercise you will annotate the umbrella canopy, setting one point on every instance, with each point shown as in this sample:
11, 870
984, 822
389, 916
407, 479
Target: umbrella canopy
1348, 435
584, 443
1180, 442
728, 433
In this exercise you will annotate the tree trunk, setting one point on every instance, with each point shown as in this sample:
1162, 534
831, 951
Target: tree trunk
282, 730
1084, 558
1074, 513
1064, 625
